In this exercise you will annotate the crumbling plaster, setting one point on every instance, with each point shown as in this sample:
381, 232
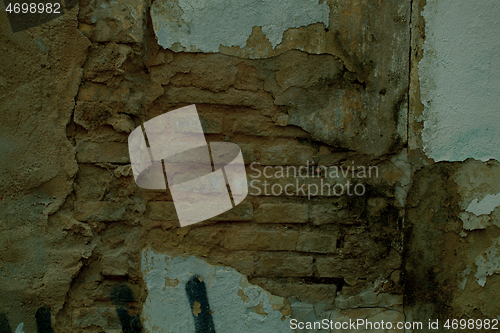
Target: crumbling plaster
74, 224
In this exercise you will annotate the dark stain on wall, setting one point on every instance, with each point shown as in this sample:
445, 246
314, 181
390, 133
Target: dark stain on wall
123, 297
198, 299
4, 324
43, 320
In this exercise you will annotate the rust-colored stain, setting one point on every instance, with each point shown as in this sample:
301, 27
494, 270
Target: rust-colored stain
259, 309
392, 177
242, 295
196, 308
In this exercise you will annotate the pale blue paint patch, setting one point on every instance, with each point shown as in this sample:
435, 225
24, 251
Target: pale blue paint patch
460, 80
203, 26
231, 298
485, 206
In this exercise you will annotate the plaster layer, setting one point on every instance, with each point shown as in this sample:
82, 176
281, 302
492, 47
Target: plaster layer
488, 263
460, 80
236, 305
200, 26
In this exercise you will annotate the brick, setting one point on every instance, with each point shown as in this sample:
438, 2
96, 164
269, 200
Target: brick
242, 261
109, 152
248, 151
104, 211
334, 267
261, 240
212, 123
311, 293
282, 213
333, 213
282, 264
114, 265
92, 182
127, 97
192, 95
242, 212
205, 236
105, 61
103, 317
316, 242
264, 126
287, 155
161, 211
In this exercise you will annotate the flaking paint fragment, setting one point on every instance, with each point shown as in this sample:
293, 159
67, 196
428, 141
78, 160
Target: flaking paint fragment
488, 263
485, 206
235, 304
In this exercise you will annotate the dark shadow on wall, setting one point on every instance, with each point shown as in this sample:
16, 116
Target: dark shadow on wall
43, 320
4, 324
123, 297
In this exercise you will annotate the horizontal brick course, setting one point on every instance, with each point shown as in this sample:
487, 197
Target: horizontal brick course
282, 213
317, 242
161, 211
286, 155
104, 211
261, 240
242, 261
311, 293
282, 264
108, 152
264, 126
242, 212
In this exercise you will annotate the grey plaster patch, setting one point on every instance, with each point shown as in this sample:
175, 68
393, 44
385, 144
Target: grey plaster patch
203, 26
236, 305
460, 80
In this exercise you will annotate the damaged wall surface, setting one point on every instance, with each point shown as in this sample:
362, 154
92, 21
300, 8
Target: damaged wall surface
349, 85
459, 89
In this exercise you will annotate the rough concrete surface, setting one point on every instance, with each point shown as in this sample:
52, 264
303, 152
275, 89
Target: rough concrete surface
460, 89
319, 96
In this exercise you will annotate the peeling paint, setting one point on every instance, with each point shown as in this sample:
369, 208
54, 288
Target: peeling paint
194, 26
236, 305
485, 206
488, 263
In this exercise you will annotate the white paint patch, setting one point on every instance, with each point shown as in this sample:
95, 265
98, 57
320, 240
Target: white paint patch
488, 265
19, 328
236, 305
485, 206
203, 26
460, 80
